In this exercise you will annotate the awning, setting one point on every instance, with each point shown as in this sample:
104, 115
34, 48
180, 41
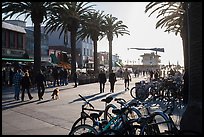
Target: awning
64, 65
18, 59
118, 64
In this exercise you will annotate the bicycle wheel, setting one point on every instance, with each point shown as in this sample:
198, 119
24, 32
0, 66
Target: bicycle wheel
108, 115
138, 93
161, 122
83, 130
83, 120
133, 113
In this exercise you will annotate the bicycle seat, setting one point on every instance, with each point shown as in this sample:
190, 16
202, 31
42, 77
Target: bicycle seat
119, 111
107, 100
95, 115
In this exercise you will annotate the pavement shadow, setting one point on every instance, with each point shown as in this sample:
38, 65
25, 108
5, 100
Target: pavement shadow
99, 97
16, 104
44, 101
118, 93
86, 97
8, 101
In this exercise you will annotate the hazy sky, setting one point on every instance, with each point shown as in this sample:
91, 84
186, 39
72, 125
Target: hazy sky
142, 33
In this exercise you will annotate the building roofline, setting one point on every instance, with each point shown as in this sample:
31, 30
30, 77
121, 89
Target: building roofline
12, 27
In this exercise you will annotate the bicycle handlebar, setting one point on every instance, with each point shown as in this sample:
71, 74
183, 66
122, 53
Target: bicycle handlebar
86, 101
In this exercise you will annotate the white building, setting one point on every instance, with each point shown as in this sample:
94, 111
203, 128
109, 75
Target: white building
150, 59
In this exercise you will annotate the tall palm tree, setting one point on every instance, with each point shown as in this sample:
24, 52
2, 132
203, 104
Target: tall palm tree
37, 11
190, 29
91, 27
194, 107
68, 18
110, 28
174, 19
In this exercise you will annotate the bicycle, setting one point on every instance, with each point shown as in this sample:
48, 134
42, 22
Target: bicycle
91, 118
118, 125
142, 90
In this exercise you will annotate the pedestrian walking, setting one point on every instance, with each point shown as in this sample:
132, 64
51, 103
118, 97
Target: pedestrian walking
151, 73
7, 76
102, 80
156, 74
127, 79
75, 78
17, 83
26, 84
40, 80
112, 80
55, 76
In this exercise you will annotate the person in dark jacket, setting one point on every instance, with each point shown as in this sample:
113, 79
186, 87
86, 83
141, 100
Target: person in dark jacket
102, 80
40, 81
26, 83
55, 75
75, 78
112, 80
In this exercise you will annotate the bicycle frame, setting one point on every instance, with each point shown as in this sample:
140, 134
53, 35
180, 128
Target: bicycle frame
92, 116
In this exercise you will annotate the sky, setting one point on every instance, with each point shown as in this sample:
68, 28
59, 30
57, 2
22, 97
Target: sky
143, 34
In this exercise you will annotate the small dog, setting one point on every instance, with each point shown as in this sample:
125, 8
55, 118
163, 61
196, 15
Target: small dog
55, 93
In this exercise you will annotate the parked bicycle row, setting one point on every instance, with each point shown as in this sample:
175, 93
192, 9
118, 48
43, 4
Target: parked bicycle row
121, 117
164, 90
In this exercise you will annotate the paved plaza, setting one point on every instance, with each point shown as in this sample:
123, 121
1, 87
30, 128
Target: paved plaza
53, 117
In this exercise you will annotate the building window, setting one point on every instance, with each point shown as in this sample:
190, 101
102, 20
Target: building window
87, 52
91, 52
3, 38
12, 40
20, 41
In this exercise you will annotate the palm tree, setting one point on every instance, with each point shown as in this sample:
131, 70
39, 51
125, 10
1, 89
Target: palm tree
170, 12
37, 11
110, 28
190, 29
68, 18
174, 20
91, 27
194, 107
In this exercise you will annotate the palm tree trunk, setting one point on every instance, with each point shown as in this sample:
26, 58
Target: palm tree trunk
184, 36
110, 56
37, 48
73, 50
95, 57
192, 117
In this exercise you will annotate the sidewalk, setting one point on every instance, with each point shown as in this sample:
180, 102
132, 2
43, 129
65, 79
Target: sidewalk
53, 117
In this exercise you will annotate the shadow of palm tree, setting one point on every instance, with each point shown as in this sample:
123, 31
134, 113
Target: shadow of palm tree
44, 101
16, 104
99, 97
8, 101
86, 97
118, 93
